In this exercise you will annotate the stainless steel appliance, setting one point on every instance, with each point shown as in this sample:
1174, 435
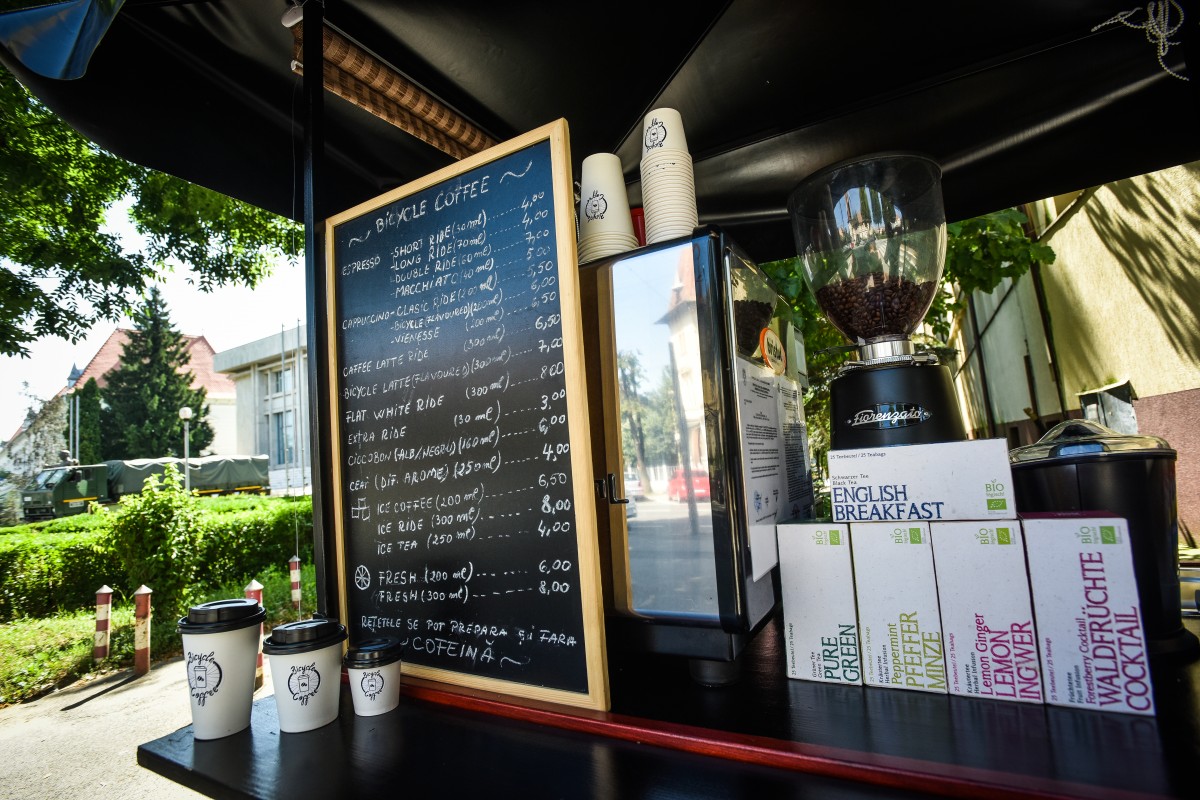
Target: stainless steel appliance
696, 378
871, 235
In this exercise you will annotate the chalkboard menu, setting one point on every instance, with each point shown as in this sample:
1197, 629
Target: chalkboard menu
463, 467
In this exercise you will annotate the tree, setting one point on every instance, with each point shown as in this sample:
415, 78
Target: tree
88, 397
61, 271
38, 444
144, 395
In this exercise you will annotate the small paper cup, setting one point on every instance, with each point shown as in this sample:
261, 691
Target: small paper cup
662, 129
603, 200
373, 667
306, 672
220, 650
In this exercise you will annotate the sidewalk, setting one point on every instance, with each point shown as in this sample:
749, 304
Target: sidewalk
81, 741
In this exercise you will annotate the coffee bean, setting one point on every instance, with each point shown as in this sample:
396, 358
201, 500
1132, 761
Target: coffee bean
874, 305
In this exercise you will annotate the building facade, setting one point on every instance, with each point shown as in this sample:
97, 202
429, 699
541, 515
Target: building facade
270, 376
1110, 331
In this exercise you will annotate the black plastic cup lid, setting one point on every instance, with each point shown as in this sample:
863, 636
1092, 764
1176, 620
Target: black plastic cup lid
373, 653
304, 636
220, 616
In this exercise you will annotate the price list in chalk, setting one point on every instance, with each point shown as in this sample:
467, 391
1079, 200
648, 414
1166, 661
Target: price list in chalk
460, 530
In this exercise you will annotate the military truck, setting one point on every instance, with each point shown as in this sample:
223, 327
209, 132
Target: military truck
59, 491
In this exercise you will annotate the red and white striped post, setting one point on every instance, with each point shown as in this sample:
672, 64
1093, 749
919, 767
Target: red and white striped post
294, 568
254, 591
141, 630
103, 615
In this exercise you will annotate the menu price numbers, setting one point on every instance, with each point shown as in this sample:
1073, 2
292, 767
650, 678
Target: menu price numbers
546, 530
531, 200
554, 587
548, 479
552, 370
546, 346
540, 267
551, 452
532, 216
545, 423
547, 399
555, 506
542, 298
546, 322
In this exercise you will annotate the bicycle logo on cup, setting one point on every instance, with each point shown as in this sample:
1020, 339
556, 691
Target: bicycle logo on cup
656, 134
303, 683
203, 676
372, 684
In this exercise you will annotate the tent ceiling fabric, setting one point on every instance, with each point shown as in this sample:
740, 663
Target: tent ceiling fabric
1017, 101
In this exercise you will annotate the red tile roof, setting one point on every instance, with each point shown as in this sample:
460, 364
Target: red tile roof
108, 357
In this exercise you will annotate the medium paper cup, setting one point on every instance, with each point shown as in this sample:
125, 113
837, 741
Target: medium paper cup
603, 200
373, 667
220, 650
662, 129
306, 672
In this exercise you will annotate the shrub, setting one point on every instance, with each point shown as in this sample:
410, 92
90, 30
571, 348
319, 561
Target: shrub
240, 543
157, 536
42, 574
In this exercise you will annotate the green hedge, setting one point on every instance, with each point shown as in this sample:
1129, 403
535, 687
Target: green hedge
50, 567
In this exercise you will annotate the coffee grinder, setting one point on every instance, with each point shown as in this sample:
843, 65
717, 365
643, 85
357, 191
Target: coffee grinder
871, 236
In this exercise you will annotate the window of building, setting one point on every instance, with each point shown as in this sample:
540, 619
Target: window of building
281, 381
283, 435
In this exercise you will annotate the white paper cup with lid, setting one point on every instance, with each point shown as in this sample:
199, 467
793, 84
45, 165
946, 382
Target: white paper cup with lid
220, 650
306, 672
662, 129
373, 667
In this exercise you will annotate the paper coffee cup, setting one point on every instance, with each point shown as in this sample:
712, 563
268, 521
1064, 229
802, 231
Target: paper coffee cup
662, 129
373, 667
220, 650
603, 200
306, 672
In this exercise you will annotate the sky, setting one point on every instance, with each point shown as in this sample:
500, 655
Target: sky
226, 317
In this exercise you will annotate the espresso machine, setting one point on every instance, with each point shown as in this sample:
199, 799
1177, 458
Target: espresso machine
871, 237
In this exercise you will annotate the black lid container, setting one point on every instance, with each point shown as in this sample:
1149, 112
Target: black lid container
293, 638
220, 616
1083, 466
373, 653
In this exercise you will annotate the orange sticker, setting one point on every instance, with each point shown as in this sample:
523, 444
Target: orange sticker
771, 348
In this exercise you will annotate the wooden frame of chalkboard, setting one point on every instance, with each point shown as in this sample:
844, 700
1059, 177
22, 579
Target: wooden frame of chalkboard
462, 485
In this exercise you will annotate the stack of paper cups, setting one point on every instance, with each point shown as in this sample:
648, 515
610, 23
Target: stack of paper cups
668, 183
605, 227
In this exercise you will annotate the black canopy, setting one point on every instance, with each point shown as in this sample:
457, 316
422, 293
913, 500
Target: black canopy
1017, 101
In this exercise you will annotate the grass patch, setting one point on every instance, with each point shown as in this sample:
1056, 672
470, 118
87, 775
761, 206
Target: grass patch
38, 655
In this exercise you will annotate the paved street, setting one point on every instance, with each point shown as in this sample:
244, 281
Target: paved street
81, 741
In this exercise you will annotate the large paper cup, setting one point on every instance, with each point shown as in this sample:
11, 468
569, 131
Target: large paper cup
306, 671
220, 649
662, 129
373, 667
